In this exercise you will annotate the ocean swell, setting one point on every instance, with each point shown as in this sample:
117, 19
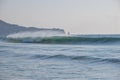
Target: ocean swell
77, 58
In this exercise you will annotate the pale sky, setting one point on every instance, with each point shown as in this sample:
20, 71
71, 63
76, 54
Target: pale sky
75, 16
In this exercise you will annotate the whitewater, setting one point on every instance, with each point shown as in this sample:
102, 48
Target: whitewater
73, 57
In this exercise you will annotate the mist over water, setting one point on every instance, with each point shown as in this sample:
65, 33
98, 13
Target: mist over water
35, 34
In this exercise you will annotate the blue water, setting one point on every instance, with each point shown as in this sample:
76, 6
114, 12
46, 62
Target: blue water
36, 61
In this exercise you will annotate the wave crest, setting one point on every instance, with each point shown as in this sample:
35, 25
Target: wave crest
66, 40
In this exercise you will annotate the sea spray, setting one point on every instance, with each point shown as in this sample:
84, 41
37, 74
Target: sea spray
33, 37
35, 34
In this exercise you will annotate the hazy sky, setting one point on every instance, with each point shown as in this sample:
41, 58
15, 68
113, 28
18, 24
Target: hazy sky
75, 16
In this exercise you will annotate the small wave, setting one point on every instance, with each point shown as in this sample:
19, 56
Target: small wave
111, 60
78, 58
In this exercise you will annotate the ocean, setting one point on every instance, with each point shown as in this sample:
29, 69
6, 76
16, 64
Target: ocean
80, 57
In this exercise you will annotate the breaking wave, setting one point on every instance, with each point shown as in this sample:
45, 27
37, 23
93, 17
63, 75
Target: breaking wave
66, 40
55, 38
